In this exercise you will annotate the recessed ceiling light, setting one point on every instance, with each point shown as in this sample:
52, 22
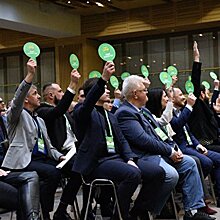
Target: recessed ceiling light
200, 35
99, 4
69, 2
87, 2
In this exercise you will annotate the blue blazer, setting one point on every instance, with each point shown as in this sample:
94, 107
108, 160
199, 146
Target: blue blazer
140, 133
90, 132
177, 124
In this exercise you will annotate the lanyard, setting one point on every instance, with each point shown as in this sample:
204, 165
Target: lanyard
108, 122
162, 134
187, 136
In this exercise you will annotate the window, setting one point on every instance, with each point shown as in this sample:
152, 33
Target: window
13, 69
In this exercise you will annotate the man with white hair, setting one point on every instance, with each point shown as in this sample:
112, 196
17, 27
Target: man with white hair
150, 142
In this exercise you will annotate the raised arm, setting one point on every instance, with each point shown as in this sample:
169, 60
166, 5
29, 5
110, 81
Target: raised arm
83, 112
62, 107
14, 112
196, 70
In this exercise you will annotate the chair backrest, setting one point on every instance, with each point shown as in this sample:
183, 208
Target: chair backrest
3, 210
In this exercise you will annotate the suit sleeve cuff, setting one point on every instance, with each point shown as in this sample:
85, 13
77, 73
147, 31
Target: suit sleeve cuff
71, 90
189, 107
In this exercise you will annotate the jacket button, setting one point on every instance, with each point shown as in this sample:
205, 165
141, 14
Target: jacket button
35, 138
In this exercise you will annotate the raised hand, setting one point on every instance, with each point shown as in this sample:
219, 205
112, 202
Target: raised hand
169, 92
191, 99
75, 76
31, 69
216, 84
146, 82
196, 54
108, 70
117, 94
216, 105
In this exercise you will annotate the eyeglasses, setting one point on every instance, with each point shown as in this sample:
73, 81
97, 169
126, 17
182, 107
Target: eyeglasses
142, 90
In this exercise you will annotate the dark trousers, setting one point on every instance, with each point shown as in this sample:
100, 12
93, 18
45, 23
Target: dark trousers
49, 179
74, 182
126, 177
20, 191
152, 177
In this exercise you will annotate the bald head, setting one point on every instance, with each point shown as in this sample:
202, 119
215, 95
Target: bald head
52, 93
178, 98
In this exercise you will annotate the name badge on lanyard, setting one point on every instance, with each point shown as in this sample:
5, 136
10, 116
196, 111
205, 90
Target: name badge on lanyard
110, 144
161, 134
109, 139
41, 145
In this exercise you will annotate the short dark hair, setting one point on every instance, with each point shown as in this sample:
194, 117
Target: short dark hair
154, 101
79, 89
202, 88
46, 85
88, 84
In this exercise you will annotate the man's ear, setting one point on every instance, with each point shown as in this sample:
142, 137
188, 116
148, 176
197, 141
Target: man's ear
135, 94
26, 100
51, 95
202, 94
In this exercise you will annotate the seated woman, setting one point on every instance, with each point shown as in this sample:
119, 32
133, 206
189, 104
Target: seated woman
160, 104
20, 191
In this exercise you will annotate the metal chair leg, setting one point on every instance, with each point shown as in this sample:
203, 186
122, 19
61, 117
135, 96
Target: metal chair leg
101, 182
212, 189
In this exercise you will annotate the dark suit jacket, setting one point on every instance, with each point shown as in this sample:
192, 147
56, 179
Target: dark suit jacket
140, 133
90, 133
55, 120
213, 100
202, 121
177, 124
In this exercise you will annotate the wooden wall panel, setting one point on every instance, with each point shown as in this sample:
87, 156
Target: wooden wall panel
64, 67
210, 11
139, 19
113, 25
12, 39
163, 16
93, 23
188, 12
173, 16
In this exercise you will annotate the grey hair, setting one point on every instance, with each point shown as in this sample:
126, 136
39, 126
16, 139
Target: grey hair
130, 84
32, 87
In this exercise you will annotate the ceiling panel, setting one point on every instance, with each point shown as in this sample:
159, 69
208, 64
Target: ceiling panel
89, 7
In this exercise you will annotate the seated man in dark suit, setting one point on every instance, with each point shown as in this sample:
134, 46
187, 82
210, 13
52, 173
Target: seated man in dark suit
215, 107
186, 140
202, 122
150, 142
103, 151
60, 130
